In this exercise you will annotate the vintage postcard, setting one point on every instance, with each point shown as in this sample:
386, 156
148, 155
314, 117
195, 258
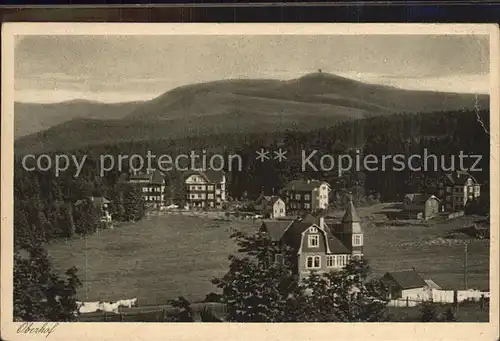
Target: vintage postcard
341, 176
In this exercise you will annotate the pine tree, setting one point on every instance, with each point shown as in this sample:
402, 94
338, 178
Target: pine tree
39, 294
66, 222
87, 218
133, 203
255, 289
22, 230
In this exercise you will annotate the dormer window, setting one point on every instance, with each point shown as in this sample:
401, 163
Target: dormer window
313, 240
313, 229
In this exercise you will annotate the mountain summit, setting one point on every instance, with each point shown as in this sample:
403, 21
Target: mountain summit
234, 106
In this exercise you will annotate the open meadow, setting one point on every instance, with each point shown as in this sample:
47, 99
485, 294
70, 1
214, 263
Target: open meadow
166, 256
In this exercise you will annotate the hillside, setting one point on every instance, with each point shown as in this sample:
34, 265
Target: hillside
84, 132
316, 93
30, 118
233, 106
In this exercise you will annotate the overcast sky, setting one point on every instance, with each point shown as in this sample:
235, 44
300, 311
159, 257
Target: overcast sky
123, 68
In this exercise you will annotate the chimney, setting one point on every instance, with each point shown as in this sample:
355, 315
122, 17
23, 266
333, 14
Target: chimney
322, 222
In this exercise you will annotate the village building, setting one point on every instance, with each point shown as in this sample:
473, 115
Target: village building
457, 189
306, 195
318, 244
407, 284
153, 186
205, 189
421, 206
100, 205
271, 206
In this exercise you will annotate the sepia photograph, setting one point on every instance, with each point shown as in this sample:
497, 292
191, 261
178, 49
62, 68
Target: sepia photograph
264, 173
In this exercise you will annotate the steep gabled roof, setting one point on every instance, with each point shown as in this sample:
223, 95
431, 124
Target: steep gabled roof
407, 279
431, 284
275, 229
419, 198
157, 178
294, 233
351, 215
99, 201
210, 176
267, 200
95, 201
416, 197
154, 177
336, 246
303, 185
459, 177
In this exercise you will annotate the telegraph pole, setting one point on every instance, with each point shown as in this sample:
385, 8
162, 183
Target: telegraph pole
465, 266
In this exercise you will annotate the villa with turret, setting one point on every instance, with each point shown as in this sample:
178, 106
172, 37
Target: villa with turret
320, 244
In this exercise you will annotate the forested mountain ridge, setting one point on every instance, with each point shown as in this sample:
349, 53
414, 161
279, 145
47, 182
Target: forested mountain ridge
242, 106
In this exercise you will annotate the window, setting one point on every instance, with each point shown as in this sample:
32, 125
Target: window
307, 197
342, 260
210, 196
307, 206
144, 189
357, 239
278, 258
331, 261
297, 196
313, 229
313, 262
313, 240
448, 189
281, 210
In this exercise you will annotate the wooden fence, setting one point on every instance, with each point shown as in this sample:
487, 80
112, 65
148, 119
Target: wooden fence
442, 296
